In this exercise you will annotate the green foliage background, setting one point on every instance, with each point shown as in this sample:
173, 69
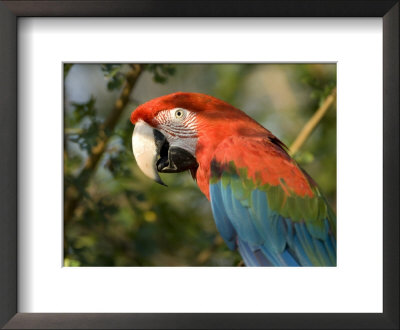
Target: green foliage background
123, 218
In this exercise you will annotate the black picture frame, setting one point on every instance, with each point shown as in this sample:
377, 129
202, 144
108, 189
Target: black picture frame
10, 11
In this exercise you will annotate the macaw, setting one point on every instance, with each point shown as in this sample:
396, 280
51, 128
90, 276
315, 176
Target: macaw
262, 202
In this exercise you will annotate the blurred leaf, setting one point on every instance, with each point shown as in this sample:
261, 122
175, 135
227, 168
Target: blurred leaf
112, 72
161, 72
71, 263
81, 111
67, 67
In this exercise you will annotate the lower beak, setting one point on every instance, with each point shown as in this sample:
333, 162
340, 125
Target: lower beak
154, 154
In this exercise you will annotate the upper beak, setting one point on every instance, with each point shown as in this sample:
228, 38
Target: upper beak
154, 154
146, 150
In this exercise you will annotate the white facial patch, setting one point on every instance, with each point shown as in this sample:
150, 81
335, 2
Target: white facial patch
179, 127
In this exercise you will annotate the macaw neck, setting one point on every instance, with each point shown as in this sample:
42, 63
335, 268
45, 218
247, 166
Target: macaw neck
204, 153
210, 138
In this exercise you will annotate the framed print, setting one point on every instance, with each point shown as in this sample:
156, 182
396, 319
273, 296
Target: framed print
45, 275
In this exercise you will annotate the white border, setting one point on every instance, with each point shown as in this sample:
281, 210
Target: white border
354, 286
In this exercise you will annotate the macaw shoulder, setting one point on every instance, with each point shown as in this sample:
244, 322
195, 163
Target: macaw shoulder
262, 159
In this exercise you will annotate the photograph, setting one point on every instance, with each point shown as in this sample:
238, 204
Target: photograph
199, 164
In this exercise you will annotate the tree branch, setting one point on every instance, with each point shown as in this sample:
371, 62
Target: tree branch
72, 194
312, 123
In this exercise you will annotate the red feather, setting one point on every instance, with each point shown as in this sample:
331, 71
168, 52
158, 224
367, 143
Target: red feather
264, 161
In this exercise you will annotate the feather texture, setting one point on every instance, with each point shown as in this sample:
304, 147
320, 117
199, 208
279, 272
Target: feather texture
265, 205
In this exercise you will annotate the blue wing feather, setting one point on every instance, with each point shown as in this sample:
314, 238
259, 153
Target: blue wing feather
264, 237
238, 215
248, 255
222, 221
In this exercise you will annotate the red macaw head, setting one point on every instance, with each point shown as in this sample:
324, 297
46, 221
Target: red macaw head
180, 131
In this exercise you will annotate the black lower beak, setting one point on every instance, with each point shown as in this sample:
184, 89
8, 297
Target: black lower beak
172, 159
178, 160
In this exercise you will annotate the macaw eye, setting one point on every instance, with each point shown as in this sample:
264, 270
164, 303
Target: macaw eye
179, 114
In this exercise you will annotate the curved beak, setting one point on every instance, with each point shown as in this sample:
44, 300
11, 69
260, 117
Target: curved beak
154, 154
145, 150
